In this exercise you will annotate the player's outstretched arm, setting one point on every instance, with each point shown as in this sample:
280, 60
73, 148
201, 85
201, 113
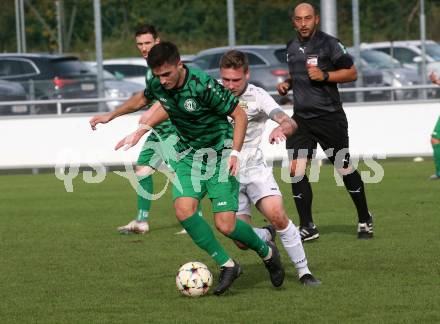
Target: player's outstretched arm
145, 117
159, 116
287, 127
133, 104
240, 125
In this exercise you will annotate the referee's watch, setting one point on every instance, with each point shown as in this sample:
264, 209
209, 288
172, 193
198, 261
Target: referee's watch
326, 76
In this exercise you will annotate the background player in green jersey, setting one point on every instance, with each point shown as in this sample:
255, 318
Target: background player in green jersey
435, 138
146, 38
198, 106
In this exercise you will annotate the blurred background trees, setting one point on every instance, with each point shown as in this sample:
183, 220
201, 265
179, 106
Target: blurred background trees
197, 24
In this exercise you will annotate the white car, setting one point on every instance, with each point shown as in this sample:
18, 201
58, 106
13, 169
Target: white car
409, 53
116, 88
133, 69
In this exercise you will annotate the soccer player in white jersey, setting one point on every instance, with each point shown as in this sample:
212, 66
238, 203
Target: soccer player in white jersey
257, 183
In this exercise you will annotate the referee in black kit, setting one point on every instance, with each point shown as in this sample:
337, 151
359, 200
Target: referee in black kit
317, 62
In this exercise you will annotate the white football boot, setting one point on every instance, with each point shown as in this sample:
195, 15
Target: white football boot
134, 227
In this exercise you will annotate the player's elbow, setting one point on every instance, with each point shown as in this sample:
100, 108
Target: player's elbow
352, 74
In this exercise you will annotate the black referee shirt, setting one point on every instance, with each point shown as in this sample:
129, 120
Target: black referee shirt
316, 98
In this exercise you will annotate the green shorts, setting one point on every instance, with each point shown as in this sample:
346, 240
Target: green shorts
436, 132
149, 157
222, 189
156, 151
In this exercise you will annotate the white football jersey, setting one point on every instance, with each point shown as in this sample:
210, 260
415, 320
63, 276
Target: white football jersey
258, 105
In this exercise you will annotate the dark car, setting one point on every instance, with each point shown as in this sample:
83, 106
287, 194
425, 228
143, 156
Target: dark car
47, 76
12, 91
370, 78
394, 73
268, 64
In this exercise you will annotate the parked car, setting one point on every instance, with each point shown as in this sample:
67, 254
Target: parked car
409, 53
116, 88
133, 69
370, 78
268, 64
47, 76
12, 91
394, 73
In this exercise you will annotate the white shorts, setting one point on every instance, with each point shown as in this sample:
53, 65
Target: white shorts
254, 185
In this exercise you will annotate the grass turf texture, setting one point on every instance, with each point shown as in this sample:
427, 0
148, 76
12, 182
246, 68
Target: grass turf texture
62, 260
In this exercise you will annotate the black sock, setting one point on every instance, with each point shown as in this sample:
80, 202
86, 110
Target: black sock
302, 195
355, 188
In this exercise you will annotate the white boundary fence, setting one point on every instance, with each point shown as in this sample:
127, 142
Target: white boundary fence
392, 130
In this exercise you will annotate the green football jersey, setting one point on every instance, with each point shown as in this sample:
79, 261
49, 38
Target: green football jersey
164, 129
436, 132
198, 110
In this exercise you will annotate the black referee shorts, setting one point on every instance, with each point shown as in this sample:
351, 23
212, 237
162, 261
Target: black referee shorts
330, 131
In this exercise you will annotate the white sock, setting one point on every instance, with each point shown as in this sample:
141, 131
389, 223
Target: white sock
291, 240
228, 263
269, 255
262, 233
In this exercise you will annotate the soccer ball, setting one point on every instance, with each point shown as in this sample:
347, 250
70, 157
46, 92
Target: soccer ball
193, 279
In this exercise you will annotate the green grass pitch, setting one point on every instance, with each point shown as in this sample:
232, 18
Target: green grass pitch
62, 261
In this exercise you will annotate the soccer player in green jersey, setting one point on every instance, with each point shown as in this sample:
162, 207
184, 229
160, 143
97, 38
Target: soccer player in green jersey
435, 137
198, 106
147, 163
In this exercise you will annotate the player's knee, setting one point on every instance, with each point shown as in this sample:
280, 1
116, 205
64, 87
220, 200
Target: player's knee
280, 223
184, 211
345, 171
297, 170
143, 171
279, 218
240, 245
224, 226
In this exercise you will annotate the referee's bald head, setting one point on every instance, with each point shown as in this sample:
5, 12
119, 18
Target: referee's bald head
305, 6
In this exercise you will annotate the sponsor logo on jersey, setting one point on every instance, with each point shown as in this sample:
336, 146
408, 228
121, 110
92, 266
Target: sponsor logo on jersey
222, 203
243, 104
162, 100
312, 60
190, 105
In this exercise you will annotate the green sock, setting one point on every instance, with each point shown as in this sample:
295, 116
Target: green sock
199, 210
244, 233
144, 205
201, 233
142, 215
436, 148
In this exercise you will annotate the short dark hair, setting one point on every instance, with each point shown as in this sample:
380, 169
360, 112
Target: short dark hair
146, 29
234, 59
164, 52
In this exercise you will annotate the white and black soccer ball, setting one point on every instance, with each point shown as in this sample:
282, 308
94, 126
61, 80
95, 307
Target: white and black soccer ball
193, 279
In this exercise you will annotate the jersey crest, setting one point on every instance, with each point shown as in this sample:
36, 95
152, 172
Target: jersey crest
243, 104
190, 105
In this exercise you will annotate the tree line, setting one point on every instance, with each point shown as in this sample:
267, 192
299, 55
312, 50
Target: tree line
198, 24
